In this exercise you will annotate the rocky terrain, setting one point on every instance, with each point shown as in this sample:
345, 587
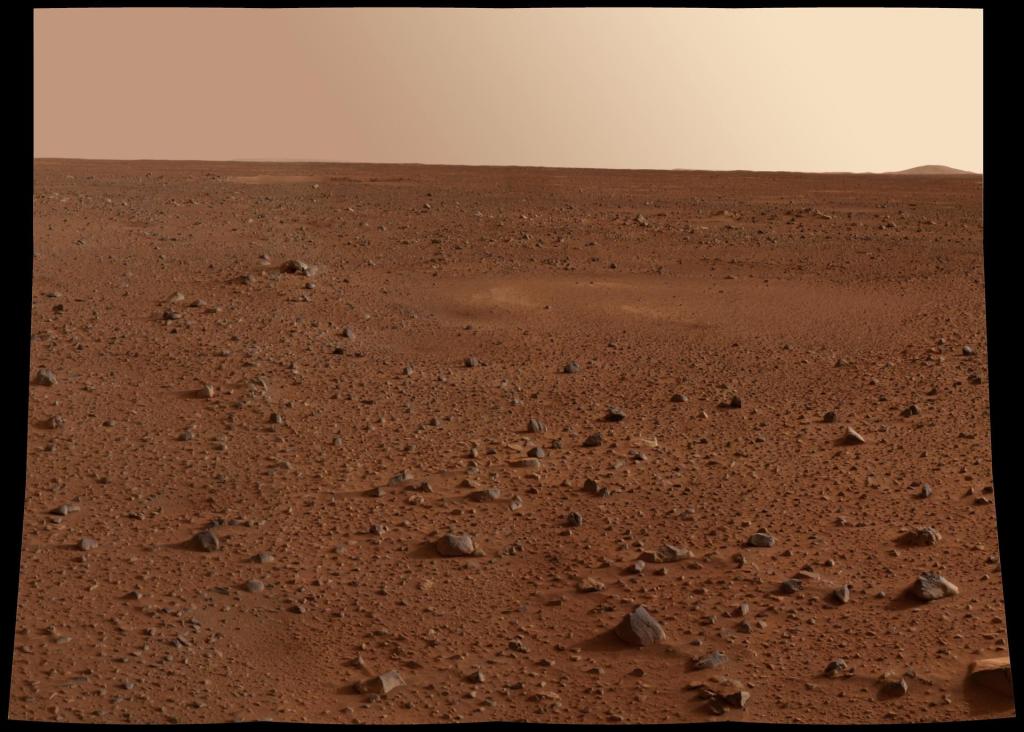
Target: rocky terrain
374, 443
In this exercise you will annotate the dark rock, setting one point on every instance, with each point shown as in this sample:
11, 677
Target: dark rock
639, 628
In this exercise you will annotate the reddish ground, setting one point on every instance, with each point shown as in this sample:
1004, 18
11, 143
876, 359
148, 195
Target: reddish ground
707, 285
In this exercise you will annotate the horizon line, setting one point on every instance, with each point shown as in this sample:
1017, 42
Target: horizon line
301, 161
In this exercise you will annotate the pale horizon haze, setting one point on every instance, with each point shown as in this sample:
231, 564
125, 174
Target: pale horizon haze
815, 90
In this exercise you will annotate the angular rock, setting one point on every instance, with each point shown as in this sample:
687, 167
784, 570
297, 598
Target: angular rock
639, 628
993, 674
837, 668
666, 553
383, 684
455, 545
206, 541
594, 440
45, 377
852, 437
922, 536
712, 660
761, 539
295, 266
931, 586
490, 494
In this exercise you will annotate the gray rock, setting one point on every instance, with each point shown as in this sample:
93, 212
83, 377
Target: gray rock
571, 368
88, 544
791, 586
535, 426
383, 684
45, 377
639, 628
761, 539
490, 494
837, 668
922, 536
594, 440
295, 266
614, 415
666, 553
712, 660
254, 585
931, 586
206, 541
455, 545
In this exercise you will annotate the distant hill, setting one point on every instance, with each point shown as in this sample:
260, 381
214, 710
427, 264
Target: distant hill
933, 170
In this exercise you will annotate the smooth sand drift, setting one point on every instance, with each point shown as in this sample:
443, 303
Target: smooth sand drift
792, 433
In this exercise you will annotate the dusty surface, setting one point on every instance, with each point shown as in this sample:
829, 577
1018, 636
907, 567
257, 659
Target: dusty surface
708, 285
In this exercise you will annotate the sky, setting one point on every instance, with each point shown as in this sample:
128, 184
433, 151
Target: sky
818, 90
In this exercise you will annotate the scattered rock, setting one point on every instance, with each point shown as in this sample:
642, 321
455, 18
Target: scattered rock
614, 415
88, 544
571, 368
589, 584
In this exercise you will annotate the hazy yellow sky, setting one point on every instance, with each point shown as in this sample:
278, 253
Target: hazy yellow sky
774, 89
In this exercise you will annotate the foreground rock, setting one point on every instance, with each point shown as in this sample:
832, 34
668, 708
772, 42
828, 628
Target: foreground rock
639, 628
205, 541
931, 586
993, 674
455, 545
383, 684
45, 377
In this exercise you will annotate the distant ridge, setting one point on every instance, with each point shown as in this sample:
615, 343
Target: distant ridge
933, 170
